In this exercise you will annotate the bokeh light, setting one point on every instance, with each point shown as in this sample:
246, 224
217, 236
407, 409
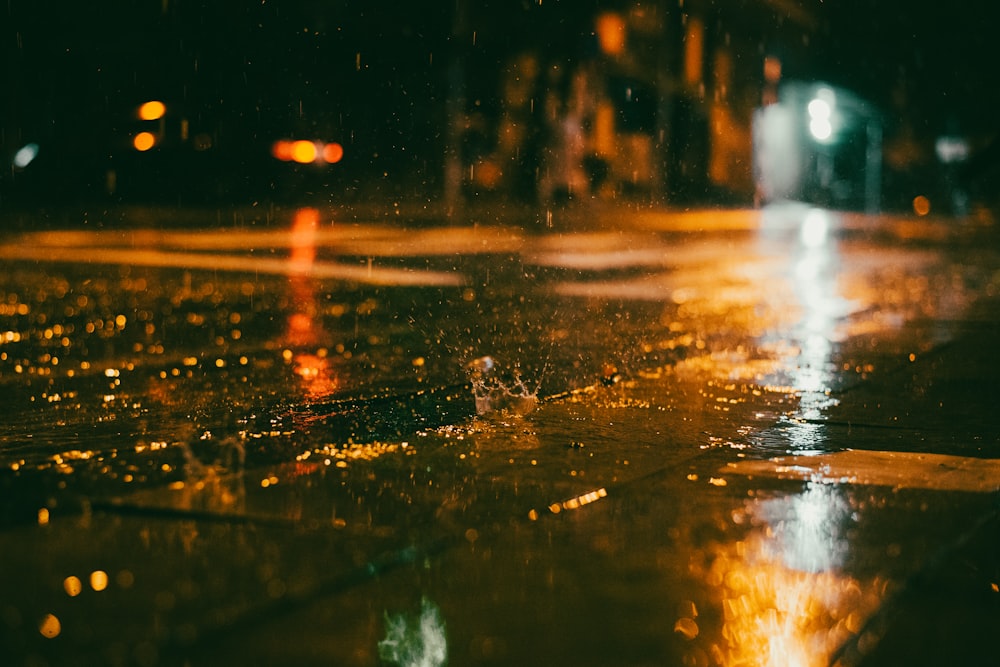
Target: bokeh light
24, 156
152, 110
304, 152
282, 150
73, 586
49, 626
333, 152
98, 580
144, 141
611, 33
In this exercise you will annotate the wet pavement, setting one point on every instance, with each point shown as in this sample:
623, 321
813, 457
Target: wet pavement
633, 438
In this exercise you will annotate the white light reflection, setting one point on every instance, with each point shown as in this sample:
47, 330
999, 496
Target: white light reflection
815, 228
815, 275
808, 527
807, 237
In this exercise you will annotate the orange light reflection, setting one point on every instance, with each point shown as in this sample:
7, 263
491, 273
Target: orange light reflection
302, 330
316, 375
783, 599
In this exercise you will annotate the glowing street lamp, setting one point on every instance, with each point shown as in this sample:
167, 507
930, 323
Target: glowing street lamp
821, 115
152, 110
144, 141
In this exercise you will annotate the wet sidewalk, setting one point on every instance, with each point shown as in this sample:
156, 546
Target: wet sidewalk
768, 441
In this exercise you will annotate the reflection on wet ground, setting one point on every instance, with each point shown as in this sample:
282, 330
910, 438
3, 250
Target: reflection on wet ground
660, 446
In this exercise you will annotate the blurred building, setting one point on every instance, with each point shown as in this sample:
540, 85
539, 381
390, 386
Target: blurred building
638, 99
653, 102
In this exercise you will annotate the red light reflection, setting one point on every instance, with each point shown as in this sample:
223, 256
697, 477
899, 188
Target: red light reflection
303, 330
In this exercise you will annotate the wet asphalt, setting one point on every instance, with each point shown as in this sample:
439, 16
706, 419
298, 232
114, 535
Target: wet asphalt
628, 437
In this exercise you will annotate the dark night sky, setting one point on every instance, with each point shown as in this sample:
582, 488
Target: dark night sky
942, 54
374, 71
267, 57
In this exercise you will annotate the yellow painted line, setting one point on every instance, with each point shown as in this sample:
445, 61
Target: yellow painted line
342, 239
899, 470
368, 274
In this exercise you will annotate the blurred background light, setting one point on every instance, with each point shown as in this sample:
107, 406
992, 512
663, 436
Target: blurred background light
821, 115
282, 150
611, 33
202, 141
24, 155
144, 141
152, 110
819, 120
304, 152
333, 152
951, 149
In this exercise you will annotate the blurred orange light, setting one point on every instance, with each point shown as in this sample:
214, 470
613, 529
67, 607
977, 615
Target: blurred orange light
921, 205
144, 141
282, 150
316, 375
333, 152
611, 33
152, 110
304, 152
303, 240
772, 69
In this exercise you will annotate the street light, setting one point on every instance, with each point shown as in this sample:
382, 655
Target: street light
152, 110
821, 115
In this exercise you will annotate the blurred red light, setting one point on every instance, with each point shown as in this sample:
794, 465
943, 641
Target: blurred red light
282, 150
333, 152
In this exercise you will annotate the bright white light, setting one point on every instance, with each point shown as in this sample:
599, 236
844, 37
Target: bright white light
24, 156
821, 115
819, 108
821, 128
951, 149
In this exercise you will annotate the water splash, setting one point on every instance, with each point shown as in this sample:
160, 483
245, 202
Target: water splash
415, 641
496, 392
